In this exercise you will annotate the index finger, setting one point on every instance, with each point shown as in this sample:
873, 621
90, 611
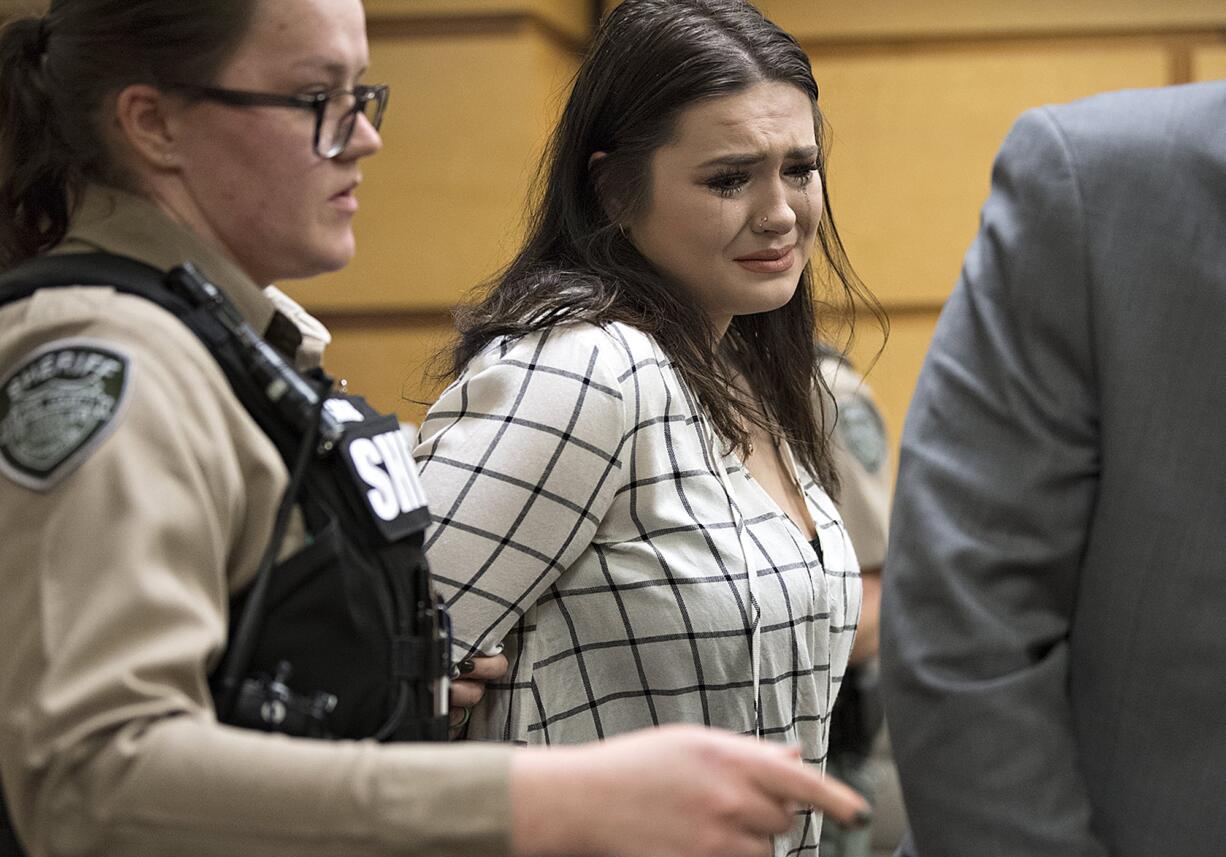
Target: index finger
487, 667
795, 781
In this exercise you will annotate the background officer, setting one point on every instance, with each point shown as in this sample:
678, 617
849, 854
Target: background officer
861, 457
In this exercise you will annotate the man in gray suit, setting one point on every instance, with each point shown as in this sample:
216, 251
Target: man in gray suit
1054, 627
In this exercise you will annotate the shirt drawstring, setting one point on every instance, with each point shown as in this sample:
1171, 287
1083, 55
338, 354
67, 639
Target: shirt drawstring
755, 611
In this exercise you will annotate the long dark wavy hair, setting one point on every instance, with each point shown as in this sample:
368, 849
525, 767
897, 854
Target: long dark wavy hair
649, 61
59, 75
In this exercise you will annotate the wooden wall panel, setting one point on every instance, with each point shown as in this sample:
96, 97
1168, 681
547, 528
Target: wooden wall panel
890, 19
473, 101
388, 363
476, 85
914, 135
908, 19
1209, 62
919, 95
572, 17
891, 373
442, 202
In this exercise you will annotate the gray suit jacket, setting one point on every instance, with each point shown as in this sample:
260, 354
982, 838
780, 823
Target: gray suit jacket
1054, 619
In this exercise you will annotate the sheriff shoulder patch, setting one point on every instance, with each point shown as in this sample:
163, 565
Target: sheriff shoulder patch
58, 406
861, 428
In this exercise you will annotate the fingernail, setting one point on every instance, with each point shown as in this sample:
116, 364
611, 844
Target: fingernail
467, 665
859, 821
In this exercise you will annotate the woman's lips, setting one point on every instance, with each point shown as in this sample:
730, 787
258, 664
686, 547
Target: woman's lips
768, 262
345, 201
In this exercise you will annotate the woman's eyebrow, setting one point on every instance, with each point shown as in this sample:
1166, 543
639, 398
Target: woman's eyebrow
748, 159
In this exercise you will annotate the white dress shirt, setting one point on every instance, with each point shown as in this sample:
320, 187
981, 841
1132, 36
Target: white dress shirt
588, 517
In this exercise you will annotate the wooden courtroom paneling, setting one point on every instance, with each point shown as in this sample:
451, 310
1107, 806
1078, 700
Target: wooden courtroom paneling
892, 375
1209, 62
920, 96
914, 135
919, 93
908, 19
475, 86
473, 98
572, 17
929, 18
388, 363
441, 204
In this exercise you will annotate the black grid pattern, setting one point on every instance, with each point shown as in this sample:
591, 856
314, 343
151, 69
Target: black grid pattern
583, 521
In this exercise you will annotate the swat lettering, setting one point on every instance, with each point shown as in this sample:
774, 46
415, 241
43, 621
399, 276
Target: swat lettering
385, 463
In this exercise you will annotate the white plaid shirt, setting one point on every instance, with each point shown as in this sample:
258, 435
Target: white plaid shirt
588, 518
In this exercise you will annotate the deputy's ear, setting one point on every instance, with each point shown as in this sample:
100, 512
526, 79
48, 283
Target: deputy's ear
146, 124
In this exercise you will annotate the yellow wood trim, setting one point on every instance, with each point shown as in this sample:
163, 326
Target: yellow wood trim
344, 320
403, 28
908, 308
1014, 42
907, 19
568, 20
360, 318
1208, 63
1180, 57
887, 18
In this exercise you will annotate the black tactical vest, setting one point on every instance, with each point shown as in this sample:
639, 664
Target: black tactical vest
345, 638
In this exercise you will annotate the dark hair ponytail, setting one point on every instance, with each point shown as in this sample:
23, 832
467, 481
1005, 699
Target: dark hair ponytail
34, 181
58, 76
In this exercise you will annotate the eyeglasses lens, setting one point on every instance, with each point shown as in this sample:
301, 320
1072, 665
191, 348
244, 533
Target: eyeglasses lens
340, 116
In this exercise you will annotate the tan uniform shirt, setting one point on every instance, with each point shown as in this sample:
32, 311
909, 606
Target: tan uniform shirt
116, 574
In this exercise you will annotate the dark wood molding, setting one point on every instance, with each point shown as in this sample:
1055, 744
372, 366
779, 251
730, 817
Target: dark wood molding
1020, 40
399, 19
367, 318
341, 320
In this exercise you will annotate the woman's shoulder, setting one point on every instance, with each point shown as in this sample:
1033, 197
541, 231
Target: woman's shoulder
609, 349
102, 314
169, 366
142, 382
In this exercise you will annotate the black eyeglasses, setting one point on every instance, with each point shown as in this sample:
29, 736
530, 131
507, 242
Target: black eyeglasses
336, 112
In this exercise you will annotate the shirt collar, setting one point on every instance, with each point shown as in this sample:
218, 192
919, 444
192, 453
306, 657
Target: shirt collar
311, 335
123, 223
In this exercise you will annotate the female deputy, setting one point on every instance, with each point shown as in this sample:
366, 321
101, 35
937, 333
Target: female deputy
629, 473
229, 133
